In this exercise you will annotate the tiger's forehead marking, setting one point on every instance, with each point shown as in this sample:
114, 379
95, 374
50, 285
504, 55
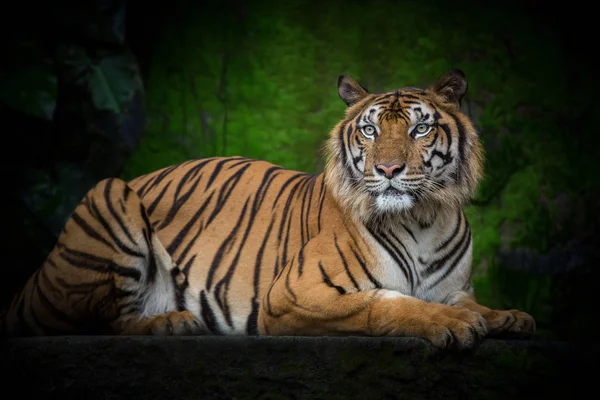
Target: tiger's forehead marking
421, 113
397, 106
369, 116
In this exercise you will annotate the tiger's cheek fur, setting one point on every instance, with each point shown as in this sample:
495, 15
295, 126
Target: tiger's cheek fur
359, 149
436, 159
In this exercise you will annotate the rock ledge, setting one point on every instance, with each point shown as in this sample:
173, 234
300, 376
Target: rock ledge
285, 367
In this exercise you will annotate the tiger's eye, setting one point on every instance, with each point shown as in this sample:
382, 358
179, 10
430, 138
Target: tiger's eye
369, 131
421, 128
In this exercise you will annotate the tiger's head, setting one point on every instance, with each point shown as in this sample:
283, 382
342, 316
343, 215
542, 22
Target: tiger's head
410, 151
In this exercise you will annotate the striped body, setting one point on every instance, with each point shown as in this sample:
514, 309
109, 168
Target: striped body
229, 263
236, 236
377, 244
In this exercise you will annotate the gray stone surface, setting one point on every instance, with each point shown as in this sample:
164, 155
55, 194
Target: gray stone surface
285, 368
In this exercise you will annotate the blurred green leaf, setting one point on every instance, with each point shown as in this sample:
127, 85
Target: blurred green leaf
112, 79
113, 83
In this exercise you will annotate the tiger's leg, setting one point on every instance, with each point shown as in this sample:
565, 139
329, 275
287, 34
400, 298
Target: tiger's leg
315, 295
108, 273
498, 321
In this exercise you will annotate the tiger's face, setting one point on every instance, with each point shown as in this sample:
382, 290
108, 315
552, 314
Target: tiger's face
404, 150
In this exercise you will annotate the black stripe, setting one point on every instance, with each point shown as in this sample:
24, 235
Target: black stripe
287, 282
226, 280
436, 265
346, 152
93, 209
142, 190
448, 133
225, 191
363, 265
265, 184
180, 288
148, 232
407, 257
178, 239
399, 257
328, 282
91, 232
105, 265
465, 247
49, 286
301, 260
393, 252
409, 232
159, 178
51, 262
179, 200
345, 263
216, 169
453, 234
208, 315
225, 247
242, 161
321, 202
82, 287
158, 198
285, 218
171, 169
342, 144
285, 185
286, 240
251, 325
268, 296
462, 141
109, 206
304, 212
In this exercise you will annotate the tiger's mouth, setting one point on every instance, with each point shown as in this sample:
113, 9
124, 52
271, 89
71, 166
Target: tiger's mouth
390, 192
393, 192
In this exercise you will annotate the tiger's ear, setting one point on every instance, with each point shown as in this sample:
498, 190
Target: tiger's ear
451, 86
350, 91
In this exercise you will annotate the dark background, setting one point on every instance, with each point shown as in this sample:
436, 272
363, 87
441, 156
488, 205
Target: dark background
114, 88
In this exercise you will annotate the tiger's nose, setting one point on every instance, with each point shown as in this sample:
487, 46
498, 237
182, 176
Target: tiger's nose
389, 171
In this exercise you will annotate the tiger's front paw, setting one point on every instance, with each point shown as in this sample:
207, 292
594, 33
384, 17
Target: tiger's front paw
509, 322
454, 327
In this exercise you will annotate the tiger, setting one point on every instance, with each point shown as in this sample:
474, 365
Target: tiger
377, 244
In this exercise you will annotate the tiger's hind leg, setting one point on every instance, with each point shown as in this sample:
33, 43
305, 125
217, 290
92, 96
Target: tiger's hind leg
108, 273
145, 301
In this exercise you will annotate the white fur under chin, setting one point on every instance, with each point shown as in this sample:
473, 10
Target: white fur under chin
394, 203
